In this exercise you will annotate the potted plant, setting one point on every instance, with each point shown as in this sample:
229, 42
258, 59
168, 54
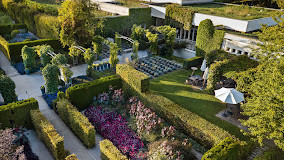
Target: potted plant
105, 65
42, 88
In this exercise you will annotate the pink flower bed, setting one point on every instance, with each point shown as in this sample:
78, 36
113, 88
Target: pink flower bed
114, 127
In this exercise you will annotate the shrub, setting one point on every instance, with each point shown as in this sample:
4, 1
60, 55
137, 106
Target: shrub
136, 79
48, 134
17, 113
50, 74
208, 39
59, 60
192, 62
71, 157
109, 151
44, 56
79, 124
7, 89
45, 8
28, 55
89, 57
271, 154
81, 95
15, 32
47, 26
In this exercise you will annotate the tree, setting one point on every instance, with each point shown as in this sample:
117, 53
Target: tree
78, 23
59, 60
153, 39
265, 105
50, 74
135, 47
43, 53
28, 55
89, 57
113, 60
7, 89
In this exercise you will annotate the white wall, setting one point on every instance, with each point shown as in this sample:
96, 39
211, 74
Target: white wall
256, 23
112, 8
157, 11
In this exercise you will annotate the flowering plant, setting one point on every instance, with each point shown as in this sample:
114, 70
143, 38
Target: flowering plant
168, 132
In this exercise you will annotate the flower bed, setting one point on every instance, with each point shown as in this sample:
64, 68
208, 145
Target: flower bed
156, 66
114, 127
21, 68
51, 96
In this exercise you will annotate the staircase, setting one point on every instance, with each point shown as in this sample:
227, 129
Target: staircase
257, 152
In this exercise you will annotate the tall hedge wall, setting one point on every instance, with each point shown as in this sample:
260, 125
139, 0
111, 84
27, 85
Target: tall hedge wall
48, 134
123, 24
13, 50
81, 95
79, 124
192, 62
47, 26
110, 152
17, 113
136, 79
179, 17
208, 39
7, 29
200, 129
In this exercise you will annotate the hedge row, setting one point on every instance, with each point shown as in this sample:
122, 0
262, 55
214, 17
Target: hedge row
81, 95
44, 8
47, 26
13, 50
110, 152
192, 62
17, 113
79, 124
71, 157
7, 29
48, 134
123, 24
134, 78
198, 128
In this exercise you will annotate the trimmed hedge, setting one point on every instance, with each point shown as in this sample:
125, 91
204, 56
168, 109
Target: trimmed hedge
79, 124
192, 62
208, 39
110, 152
44, 8
136, 79
17, 112
198, 128
7, 29
47, 26
13, 50
228, 149
71, 157
81, 95
123, 24
48, 134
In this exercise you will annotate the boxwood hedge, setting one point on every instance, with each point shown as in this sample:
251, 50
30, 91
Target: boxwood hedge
81, 95
110, 152
192, 62
17, 113
7, 29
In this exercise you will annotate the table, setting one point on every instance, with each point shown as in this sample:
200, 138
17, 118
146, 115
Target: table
195, 78
194, 69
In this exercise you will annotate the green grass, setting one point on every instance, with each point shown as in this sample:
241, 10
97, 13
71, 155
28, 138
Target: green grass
100, 13
51, 3
243, 12
131, 3
199, 102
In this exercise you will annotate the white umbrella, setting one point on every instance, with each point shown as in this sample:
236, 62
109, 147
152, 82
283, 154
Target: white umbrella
206, 73
229, 95
203, 66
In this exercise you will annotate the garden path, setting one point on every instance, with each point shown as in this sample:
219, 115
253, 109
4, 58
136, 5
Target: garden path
6, 66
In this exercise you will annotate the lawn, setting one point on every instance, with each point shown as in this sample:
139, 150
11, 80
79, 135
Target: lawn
199, 102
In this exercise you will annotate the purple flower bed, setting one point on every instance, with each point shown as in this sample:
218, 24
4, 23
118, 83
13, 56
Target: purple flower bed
20, 68
114, 127
50, 97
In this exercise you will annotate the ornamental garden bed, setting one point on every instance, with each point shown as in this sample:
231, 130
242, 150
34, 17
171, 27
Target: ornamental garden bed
21, 68
156, 66
136, 130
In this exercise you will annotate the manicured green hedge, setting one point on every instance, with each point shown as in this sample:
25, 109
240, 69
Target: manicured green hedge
81, 95
208, 39
47, 26
71, 157
44, 8
179, 17
110, 152
192, 62
136, 79
48, 134
17, 112
7, 29
79, 124
123, 24
13, 50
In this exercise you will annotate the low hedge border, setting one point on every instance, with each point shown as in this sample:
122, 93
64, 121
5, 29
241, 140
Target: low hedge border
192, 62
18, 113
79, 124
136, 79
198, 128
48, 134
81, 95
71, 157
7, 29
13, 50
110, 152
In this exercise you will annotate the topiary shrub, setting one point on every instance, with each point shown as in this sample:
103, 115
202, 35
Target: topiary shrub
109, 151
50, 74
135, 47
43, 53
7, 89
89, 57
28, 55
14, 33
153, 39
59, 60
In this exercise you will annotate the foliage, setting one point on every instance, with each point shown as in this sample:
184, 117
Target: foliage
44, 8
48, 134
118, 40
114, 127
47, 26
50, 74
179, 17
217, 55
208, 39
9, 150
79, 124
59, 60
43, 53
135, 47
74, 52
192, 62
71, 157
271, 154
134, 78
67, 73
77, 23
7, 89
28, 55
21, 116
264, 105
97, 44
137, 32
81, 95
109, 151
113, 60
89, 56
169, 34
153, 39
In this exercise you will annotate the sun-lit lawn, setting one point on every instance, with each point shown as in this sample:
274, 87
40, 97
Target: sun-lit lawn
199, 102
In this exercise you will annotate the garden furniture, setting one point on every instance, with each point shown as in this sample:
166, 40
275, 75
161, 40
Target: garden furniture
195, 79
193, 69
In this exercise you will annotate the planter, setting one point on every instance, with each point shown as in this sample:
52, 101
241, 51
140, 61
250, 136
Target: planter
108, 65
27, 72
100, 58
42, 90
105, 66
